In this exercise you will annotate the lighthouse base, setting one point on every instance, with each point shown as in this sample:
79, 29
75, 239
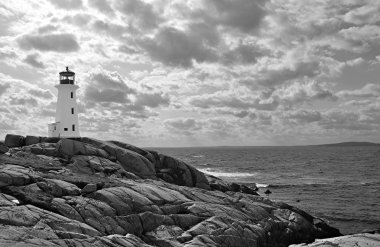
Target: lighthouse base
54, 129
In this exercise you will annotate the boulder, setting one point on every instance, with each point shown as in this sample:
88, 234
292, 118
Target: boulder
133, 162
58, 188
180, 173
130, 161
165, 232
87, 193
14, 175
7, 200
68, 147
13, 141
89, 188
3, 149
30, 140
135, 149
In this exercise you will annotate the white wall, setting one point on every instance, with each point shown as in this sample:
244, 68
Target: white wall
64, 113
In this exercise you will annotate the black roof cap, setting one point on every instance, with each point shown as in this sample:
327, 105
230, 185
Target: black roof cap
67, 72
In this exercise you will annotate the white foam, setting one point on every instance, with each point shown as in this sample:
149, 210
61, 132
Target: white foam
197, 156
227, 174
262, 185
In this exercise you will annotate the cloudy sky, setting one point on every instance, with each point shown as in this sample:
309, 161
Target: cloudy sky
195, 72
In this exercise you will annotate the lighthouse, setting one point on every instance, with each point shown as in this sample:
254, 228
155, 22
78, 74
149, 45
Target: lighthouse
66, 116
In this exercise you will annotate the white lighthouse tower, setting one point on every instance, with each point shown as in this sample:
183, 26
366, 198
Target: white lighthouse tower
66, 116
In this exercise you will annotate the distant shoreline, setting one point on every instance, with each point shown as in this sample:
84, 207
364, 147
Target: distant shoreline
339, 144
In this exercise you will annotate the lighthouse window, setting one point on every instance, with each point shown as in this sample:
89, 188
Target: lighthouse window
65, 129
72, 110
73, 127
72, 95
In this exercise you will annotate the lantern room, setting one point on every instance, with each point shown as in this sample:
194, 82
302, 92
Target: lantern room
67, 77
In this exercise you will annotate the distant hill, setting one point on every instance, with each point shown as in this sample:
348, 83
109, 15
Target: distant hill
349, 144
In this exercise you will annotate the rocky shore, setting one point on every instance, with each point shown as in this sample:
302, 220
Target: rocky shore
87, 192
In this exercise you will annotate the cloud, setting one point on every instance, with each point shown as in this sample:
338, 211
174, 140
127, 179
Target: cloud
368, 91
23, 100
243, 54
344, 120
7, 53
364, 14
32, 60
67, 4
140, 13
152, 100
110, 91
3, 87
232, 101
63, 42
183, 124
245, 15
301, 92
41, 93
288, 95
303, 116
102, 6
276, 75
106, 86
178, 48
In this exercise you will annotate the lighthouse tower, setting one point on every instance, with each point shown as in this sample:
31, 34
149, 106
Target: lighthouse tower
66, 116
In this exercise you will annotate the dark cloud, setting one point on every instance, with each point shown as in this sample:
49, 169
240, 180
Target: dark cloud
113, 30
3, 87
242, 54
67, 4
152, 100
245, 15
64, 42
32, 60
107, 87
141, 14
102, 6
177, 48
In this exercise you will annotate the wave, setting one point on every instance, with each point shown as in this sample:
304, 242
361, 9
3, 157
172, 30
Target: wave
299, 184
258, 185
208, 165
197, 156
223, 174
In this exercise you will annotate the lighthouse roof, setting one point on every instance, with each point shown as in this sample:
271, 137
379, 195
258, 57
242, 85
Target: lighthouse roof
67, 72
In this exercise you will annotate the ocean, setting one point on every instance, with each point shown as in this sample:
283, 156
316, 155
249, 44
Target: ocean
336, 183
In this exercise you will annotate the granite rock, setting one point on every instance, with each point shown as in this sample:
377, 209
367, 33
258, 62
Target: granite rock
97, 193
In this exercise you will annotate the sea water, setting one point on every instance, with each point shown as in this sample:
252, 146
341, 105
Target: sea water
338, 184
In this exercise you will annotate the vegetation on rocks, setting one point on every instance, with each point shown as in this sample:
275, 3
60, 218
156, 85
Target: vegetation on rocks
87, 192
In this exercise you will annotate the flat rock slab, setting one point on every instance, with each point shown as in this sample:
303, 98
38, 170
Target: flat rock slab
357, 240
